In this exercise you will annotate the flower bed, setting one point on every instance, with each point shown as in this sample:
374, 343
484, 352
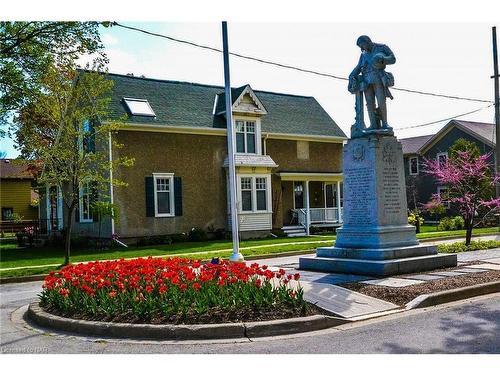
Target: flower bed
172, 291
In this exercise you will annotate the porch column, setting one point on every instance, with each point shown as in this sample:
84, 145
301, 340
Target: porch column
339, 215
308, 215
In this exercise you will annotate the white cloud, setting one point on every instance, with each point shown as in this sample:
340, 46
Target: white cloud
109, 40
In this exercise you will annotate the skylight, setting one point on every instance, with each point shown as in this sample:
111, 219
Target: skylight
139, 107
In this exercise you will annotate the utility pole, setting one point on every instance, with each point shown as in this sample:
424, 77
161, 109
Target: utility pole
497, 105
236, 256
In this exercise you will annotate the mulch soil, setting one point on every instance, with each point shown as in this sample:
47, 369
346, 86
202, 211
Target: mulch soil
214, 316
401, 296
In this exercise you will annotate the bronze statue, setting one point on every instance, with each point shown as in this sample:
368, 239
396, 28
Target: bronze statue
370, 78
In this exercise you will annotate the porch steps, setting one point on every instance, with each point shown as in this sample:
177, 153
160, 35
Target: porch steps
294, 231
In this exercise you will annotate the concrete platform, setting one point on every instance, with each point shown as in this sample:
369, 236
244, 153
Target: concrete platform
378, 267
377, 253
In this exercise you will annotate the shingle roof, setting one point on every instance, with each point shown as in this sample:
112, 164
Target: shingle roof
250, 160
14, 168
191, 104
221, 100
483, 129
412, 145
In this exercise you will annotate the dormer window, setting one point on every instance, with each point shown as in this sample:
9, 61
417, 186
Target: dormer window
246, 137
139, 107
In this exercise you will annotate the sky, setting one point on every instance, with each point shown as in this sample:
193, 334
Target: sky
448, 58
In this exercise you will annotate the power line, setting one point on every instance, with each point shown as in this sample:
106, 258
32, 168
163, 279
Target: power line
286, 66
445, 119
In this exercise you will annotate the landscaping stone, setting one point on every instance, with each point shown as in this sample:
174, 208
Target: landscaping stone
471, 270
393, 282
448, 273
493, 260
423, 277
487, 266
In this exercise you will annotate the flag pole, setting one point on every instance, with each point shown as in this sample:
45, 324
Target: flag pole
236, 256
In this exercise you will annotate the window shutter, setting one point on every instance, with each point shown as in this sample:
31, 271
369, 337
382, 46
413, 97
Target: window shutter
178, 196
150, 196
77, 209
93, 199
92, 137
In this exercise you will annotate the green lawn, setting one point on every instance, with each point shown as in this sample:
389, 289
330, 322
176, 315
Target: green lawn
11, 256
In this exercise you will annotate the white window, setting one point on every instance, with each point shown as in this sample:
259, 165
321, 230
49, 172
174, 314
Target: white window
255, 193
442, 157
246, 194
261, 193
246, 137
163, 194
413, 164
84, 203
442, 191
139, 107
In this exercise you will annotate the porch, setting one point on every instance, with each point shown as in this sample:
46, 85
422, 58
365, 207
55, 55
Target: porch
311, 199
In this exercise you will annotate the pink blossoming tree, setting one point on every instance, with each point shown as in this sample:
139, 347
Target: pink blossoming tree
469, 181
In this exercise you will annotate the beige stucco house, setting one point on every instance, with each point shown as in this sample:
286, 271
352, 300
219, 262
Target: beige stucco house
288, 161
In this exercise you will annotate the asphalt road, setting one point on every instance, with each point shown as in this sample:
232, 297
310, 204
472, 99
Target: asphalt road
470, 326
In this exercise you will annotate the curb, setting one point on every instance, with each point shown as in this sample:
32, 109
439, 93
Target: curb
22, 279
181, 332
445, 296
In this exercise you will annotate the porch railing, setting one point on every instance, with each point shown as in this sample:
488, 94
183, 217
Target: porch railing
319, 216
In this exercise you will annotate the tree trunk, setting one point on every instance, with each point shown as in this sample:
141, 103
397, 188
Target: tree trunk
67, 240
468, 233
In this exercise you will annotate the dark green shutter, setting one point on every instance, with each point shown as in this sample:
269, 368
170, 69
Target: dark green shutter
93, 199
77, 209
150, 197
92, 137
178, 196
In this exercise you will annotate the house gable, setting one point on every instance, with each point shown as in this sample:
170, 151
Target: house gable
451, 132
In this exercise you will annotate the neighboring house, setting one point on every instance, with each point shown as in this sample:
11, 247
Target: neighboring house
17, 197
436, 147
289, 158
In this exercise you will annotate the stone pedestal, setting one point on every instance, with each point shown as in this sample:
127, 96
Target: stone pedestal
375, 238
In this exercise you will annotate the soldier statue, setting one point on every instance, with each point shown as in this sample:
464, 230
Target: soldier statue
370, 78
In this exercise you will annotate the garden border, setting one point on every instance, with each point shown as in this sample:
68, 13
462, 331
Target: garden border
452, 295
182, 332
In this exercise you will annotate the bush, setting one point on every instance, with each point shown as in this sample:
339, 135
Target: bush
154, 240
459, 247
412, 219
451, 223
278, 233
168, 290
197, 234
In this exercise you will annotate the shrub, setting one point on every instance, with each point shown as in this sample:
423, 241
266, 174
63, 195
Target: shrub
451, 223
459, 247
175, 289
412, 219
278, 233
197, 234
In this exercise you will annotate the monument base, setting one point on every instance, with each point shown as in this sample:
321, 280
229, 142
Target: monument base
375, 238
377, 262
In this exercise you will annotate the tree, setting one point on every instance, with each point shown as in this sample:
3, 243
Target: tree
463, 145
469, 184
28, 48
66, 127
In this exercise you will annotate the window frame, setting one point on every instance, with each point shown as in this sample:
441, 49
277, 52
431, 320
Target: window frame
81, 197
439, 154
253, 178
409, 166
446, 203
257, 134
170, 177
129, 109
